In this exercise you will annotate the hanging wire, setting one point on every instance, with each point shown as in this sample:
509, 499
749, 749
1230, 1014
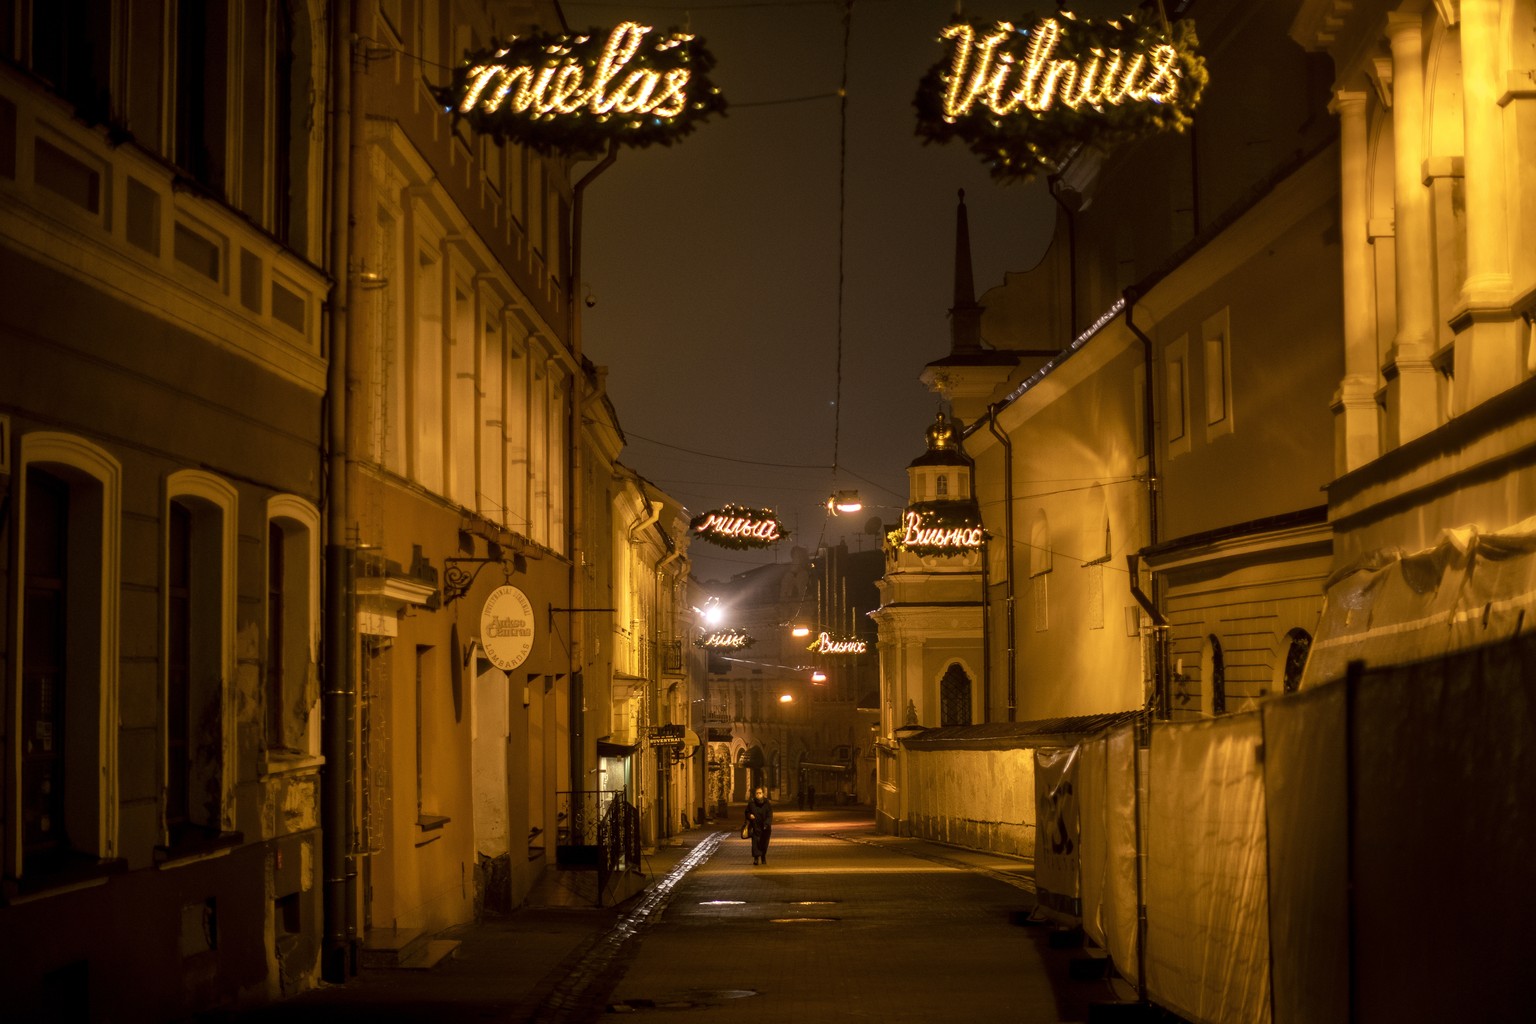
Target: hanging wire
842, 209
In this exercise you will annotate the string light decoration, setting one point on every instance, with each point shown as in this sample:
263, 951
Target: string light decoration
826, 643
579, 93
725, 640
931, 528
1026, 100
739, 527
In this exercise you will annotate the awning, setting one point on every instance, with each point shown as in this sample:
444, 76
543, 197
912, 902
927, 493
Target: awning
1048, 732
819, 766
690, 739
607, 748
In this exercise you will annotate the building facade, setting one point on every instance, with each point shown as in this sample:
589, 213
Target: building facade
161, 408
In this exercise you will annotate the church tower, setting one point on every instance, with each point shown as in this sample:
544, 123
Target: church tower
930, 619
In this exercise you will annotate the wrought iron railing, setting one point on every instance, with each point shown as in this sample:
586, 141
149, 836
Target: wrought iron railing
599, 830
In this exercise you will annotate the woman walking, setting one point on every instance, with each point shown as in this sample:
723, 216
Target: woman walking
759, 825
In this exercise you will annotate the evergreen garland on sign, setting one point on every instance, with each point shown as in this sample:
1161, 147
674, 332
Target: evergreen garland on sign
702, 527
584, 131
936, 515
1023, 143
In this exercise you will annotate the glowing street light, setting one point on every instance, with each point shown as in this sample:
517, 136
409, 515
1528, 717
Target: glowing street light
786, 698
844, 503
818, 676
800, 629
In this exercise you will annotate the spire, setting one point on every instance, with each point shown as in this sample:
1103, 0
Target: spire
965, 314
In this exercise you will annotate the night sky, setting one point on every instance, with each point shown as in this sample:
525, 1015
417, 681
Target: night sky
714, 265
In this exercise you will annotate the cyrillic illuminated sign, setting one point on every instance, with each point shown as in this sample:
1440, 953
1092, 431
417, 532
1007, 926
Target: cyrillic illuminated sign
725, 640
826, 643
737, 527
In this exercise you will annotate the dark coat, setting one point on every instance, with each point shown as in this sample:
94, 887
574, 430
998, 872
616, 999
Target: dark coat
759, 815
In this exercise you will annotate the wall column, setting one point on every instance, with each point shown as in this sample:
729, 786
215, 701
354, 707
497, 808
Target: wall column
1411, 384
1488, 341
1356, 414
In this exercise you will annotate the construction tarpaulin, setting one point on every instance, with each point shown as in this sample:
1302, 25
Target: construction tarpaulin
1106, 788
1056, 834
1390, 608
1207, 955
1305, 790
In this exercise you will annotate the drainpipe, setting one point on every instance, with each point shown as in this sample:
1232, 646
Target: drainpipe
1159, 623
1159, 628
575, 526
340, 907
1008, 559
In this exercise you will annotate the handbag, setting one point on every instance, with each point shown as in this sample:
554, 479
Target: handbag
744, 830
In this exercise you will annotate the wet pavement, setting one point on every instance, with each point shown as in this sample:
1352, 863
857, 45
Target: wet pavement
840, 924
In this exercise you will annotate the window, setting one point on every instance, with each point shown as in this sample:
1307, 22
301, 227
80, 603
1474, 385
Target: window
66, 756
1039, 568
1298, 644
72, 51
1218, 376
955, 697
463, 404
491, 499
1213, 678
202, 84
517, 435
293, 598
1176, 409
199, 611
427, 374
942, 490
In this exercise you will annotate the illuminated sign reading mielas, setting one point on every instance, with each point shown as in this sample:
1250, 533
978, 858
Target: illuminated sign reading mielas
736, 527
827, 644
1028, 99
725, 640
575, 93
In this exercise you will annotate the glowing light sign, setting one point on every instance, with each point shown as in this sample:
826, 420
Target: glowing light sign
1026, 100
736, 527
826, 643
576, 93
725, 640
940, 528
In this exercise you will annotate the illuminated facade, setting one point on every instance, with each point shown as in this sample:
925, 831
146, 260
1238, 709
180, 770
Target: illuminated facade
165, 335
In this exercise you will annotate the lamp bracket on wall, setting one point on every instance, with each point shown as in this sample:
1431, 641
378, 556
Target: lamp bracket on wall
457, 579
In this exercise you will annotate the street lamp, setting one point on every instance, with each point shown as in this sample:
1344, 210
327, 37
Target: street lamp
800, 629
786, 698
844, 503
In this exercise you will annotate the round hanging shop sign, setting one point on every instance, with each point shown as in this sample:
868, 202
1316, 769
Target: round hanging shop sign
506, 628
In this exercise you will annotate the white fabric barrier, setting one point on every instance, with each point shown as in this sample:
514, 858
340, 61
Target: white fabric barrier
1207, 953
1305, 794
1057, 838
1107, 829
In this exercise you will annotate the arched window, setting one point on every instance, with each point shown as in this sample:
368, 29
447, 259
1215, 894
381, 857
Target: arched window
1213, 678
955, 697
1298, 644
69, 499
943, 486
293, 609
200, 558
